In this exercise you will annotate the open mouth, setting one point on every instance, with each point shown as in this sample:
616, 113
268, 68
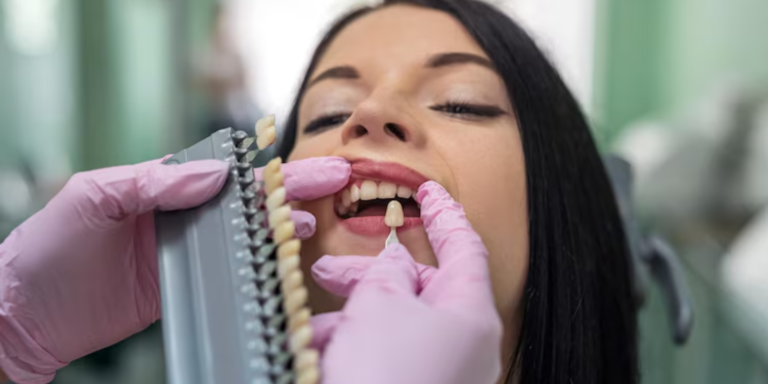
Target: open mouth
362, 206
367, 198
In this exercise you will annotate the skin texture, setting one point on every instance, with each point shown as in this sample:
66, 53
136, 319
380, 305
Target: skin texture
479, 160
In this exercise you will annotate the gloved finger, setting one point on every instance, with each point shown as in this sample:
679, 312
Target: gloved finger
393, 273
461, 253
304, 223
312, 178
323, 326
119, 192
340, 274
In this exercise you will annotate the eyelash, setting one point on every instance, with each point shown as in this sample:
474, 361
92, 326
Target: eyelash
464, 108
323, 123
455, 108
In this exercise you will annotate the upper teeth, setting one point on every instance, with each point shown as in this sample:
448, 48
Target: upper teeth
370, 190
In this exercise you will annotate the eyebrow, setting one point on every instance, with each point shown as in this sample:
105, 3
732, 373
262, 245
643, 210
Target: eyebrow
453, 58
342, 72
440, 60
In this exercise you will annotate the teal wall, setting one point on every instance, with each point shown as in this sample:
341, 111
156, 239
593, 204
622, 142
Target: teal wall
656, 59
125, 80
709, 42
37, 99
114, 90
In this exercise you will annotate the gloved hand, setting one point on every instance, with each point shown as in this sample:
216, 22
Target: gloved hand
410, 324
81, 274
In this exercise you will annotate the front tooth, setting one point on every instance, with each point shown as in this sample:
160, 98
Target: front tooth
387, 190
307, 358
299, 318
287, 265
295, 299
267, 137
289, 248
273, 182
301, 338
292, 281
264, 122
283, 232
394, 216
279, 216
346, 198
308, 376
276, 199
368, 190
354, 193
404, 192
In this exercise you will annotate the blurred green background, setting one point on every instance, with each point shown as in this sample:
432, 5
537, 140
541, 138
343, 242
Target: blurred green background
679, 87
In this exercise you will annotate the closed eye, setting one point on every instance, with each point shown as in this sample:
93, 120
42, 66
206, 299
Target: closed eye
461, 109
324, 123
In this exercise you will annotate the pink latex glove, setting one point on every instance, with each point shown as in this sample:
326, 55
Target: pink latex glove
81, 274
406, 323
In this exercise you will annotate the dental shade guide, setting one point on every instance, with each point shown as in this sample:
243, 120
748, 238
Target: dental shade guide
394, 218
233, 298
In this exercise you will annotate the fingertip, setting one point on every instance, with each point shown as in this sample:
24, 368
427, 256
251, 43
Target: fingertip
336, 161
430, 188
321, 267
315, 177
305, 223
340, 274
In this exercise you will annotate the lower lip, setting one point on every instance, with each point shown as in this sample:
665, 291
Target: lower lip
374, 225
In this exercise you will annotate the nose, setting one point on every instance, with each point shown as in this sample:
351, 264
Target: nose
381, 122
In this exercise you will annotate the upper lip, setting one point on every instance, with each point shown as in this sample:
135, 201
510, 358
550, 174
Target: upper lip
387, 171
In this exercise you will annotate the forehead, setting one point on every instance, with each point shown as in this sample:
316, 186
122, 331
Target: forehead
398, 35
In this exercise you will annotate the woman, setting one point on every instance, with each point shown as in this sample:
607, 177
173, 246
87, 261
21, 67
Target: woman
457, 91
445, 90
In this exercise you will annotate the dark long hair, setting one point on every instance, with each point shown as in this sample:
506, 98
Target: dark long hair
579, 322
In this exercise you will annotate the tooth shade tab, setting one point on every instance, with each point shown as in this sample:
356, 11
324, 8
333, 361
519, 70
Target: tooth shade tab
394, 216
264, 123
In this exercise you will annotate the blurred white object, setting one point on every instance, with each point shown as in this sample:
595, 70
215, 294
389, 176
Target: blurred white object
31, 25
744, 277
711, 163
756, 169
16, 194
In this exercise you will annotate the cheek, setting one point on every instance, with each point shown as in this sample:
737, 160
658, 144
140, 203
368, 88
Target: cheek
323, 144
489, 172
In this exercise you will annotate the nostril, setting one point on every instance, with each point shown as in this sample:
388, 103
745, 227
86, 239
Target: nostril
395, 130
359, 131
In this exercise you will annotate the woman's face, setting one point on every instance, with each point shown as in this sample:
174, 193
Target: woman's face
406, 94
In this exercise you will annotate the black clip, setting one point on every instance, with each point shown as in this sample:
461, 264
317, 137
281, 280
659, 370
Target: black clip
651, 255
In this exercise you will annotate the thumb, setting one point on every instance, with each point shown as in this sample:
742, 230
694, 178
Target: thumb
122, 191
184, 185
312, 178
179, 186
